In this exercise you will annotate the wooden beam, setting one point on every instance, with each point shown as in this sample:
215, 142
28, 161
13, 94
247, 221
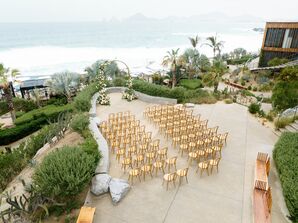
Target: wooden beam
286, 50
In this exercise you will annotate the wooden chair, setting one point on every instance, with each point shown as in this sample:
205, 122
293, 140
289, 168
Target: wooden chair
203, 166
132, 150
170, 177
223, 137
150, 156
214, 163
217, 150
192, 156
201, 154
181, 173
183, 148
86, 215
119, 153
146, 169
159, 165
134, 173
138, 160
162, 153
126, 162
171, 162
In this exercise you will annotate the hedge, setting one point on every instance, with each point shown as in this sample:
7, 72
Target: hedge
51, 112
19, 105
10, 135
191, 84
82, 101
182, 94
159, 90
31, 122
285, 155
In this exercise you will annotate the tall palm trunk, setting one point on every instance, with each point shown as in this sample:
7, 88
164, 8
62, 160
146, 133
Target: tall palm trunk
8, 96
174, 80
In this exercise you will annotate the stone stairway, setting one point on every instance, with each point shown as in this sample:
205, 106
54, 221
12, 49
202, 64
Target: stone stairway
293, 127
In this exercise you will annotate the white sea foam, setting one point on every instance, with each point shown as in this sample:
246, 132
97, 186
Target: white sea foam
46, 60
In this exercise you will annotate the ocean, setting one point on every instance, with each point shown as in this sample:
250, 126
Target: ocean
42, 49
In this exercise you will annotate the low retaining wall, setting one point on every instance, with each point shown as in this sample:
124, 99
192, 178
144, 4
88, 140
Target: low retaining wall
103, 166
144, 97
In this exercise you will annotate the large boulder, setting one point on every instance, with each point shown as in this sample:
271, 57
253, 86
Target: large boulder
118, 189
100, 184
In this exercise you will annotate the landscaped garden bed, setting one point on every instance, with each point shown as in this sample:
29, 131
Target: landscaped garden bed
285, 155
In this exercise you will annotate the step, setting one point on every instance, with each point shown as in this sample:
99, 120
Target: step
277, 133
294, 125
290, 128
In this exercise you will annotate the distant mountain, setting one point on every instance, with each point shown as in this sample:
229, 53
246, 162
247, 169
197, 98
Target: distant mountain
209, 17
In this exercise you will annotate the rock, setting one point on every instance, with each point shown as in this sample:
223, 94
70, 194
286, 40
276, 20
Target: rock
189, 105
118, 189
100, 184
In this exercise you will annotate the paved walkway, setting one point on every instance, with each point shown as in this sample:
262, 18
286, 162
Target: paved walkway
222, 197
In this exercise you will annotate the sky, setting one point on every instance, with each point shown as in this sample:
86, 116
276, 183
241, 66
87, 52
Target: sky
97, 10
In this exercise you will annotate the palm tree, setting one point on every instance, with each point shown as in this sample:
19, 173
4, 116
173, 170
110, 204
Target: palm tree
171, 59
216, 45
7, 76
194, 41
218, 69
64, 83
110, 69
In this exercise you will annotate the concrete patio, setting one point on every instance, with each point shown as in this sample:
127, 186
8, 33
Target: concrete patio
221, 197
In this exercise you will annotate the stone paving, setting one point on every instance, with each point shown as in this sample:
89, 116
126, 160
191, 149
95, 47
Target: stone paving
221, 197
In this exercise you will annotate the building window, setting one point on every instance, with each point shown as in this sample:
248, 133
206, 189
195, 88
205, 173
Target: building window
274, 37
294, 33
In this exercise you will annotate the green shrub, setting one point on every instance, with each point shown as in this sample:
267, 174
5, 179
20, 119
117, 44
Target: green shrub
10, 135
58, 101
159, 91
285, 155
277, 61
79, 122
64, 173
249, 88
19, 114
255, 88
82, 101
119, 82
11, 164
265, 87
254, 108
50, 112
228, 101
191, 84
284, 121
267, 100
285, 95
271, 115
243, 83
90, 147
20, 104
289, 74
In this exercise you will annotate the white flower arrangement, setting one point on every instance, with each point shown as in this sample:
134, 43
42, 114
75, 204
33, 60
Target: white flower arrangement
129, 93
103, 98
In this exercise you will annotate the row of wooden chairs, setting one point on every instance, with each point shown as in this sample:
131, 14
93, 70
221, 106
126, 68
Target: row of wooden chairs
190, 134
